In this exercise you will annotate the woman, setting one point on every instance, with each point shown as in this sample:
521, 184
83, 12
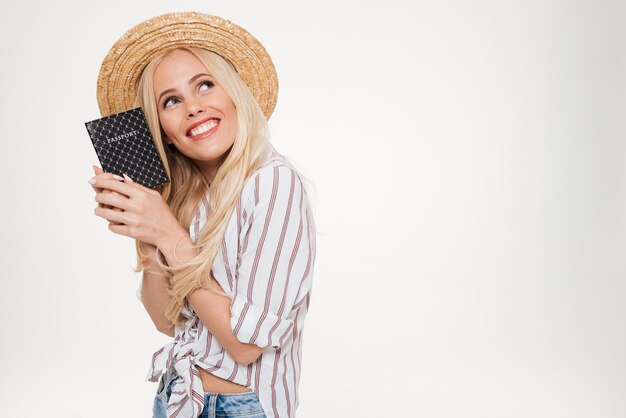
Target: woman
228, 246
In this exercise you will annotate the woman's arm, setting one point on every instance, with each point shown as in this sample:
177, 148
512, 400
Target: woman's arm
154, 285
154, 295
213, 310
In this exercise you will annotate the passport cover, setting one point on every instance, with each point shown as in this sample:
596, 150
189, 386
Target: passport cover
124, 144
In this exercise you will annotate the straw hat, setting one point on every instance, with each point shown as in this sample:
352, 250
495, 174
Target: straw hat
122, 67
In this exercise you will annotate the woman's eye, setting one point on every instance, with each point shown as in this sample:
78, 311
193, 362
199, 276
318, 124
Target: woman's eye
205, 85
170, 101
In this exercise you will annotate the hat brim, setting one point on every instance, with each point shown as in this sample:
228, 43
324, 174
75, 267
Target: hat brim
123, 65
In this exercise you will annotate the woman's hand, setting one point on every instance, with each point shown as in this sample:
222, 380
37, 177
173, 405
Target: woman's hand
98, 170
134, 210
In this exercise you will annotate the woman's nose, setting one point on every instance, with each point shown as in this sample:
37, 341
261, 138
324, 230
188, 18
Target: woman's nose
193, 108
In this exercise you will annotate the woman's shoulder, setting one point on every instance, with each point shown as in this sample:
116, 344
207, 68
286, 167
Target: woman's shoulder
275, 160
275, 176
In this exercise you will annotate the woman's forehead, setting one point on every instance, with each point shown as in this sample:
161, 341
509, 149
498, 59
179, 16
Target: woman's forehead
180, 59
177, 67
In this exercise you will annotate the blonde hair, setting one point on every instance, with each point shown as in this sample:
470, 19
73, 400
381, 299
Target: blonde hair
188, 185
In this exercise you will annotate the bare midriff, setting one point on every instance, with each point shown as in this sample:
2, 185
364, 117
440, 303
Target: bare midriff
215, 384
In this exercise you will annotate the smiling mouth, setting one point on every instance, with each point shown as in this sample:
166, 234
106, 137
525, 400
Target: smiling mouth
204, 129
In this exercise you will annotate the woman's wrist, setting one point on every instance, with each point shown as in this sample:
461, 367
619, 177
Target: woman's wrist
177, 249
149, 253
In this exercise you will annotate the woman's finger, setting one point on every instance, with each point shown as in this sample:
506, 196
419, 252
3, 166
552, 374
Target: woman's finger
98, 172
115, 194
128, 180
111, 183
113, 199
113, 216
103, 205
120, 229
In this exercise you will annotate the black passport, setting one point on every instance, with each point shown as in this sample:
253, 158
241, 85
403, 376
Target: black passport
124, 145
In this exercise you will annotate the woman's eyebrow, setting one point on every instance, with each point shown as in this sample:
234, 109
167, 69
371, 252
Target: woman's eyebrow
195, 77
191, 80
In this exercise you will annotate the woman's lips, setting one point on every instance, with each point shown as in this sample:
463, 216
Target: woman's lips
203, 129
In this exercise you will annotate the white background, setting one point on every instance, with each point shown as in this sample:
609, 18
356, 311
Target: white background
470, 165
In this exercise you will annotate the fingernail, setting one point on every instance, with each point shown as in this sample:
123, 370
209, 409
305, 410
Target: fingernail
92, 180
116, 177
128, 178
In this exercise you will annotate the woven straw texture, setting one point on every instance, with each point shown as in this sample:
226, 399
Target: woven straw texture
122, 67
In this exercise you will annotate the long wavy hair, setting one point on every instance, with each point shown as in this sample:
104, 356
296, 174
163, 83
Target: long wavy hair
188, 185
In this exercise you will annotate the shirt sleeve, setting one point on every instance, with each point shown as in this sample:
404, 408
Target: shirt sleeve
275, 258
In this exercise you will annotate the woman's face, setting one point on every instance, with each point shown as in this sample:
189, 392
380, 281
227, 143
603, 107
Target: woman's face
195, 112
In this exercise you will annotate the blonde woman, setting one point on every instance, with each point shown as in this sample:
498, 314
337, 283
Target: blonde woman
227, 248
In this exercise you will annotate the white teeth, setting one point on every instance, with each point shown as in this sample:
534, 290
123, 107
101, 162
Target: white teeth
206, 126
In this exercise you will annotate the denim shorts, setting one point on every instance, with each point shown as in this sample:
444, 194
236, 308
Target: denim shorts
216, 405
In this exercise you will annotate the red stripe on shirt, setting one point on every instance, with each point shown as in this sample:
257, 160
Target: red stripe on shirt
270, 286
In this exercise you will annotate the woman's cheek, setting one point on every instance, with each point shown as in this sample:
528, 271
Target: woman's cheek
166, 124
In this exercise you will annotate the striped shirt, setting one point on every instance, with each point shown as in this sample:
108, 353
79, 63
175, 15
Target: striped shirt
265, 266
